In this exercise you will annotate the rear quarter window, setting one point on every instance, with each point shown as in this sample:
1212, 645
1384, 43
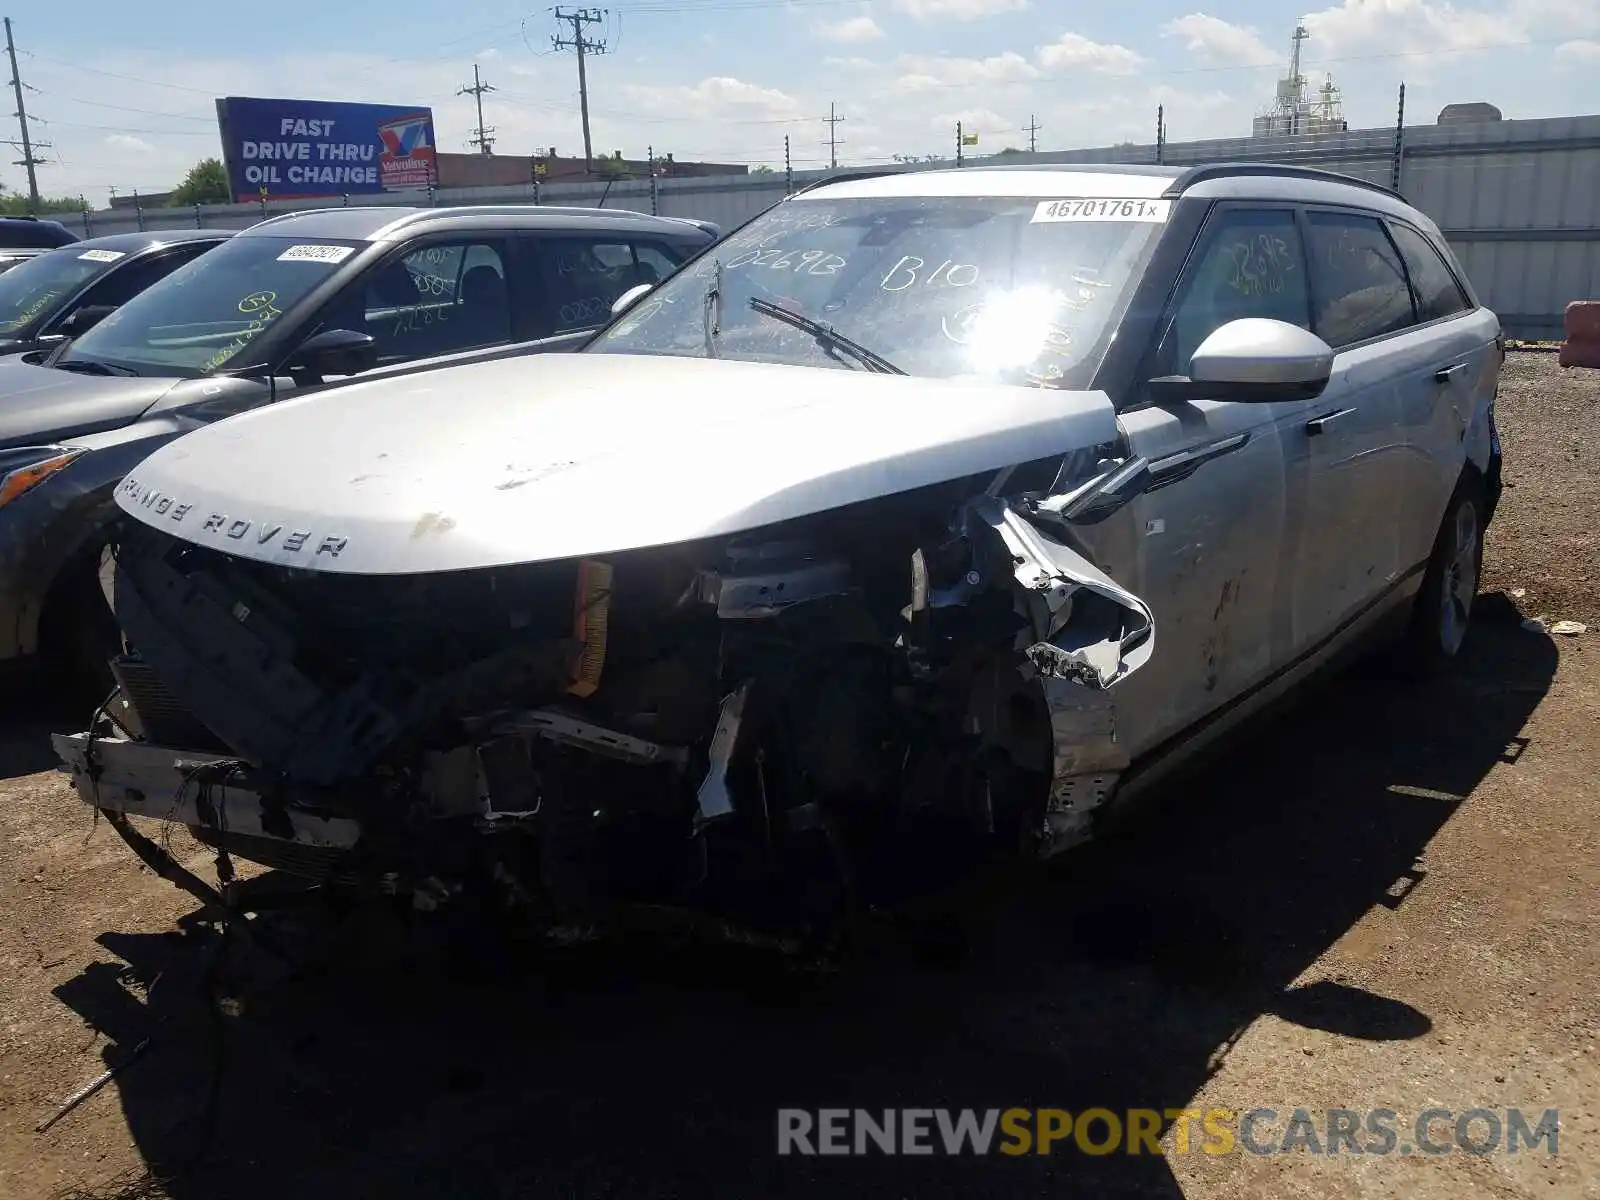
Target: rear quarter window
1438, 292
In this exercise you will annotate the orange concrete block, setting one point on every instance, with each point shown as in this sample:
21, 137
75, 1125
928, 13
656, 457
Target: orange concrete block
1580, 354
1582, 346
1583, 321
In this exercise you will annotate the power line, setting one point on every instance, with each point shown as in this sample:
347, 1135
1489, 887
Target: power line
27, 161
579, 18
481, 139
834, 142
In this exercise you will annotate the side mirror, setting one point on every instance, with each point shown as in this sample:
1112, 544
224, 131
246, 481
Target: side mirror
84, 319
629, 297
1252, 359
333, 352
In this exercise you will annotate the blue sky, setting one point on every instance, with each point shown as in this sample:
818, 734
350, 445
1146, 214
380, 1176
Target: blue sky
125, 92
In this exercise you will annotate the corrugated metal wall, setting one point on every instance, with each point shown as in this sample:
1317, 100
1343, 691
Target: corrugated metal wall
1519, 200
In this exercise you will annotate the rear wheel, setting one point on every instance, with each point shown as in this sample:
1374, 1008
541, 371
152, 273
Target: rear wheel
1443, 608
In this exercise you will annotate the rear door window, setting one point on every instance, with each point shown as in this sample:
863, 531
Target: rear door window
1438, 293
1358, 279
1248, 263
436, 299
583, 275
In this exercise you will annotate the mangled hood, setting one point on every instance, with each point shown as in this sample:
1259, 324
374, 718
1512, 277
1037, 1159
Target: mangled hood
46, 404
519, 461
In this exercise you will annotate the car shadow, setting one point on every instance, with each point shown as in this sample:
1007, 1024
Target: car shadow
1117, 978
29, 714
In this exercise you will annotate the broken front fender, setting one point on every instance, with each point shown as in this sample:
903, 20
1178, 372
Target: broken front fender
1083, 626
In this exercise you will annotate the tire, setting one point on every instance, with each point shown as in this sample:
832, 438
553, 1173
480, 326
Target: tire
1443, 608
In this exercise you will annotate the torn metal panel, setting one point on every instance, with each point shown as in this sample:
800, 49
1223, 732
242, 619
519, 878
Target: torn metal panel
763, 580
1095, 642
1086, 764
714, 799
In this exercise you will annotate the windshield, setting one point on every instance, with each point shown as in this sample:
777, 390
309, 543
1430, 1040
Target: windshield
202, 315
34, 289
1010, 289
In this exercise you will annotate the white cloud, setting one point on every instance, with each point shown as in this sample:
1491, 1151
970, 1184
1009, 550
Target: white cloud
1406, 27
994, 131
851, 29
1072, 51
714, 97
958, 10
1578, 52
924, 74
128, 143
1219, 42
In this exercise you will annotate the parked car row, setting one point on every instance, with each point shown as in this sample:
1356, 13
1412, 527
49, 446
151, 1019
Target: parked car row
22, 238
137, 338
833, 564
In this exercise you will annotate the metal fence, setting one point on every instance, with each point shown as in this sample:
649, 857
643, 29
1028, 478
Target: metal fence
1518, 200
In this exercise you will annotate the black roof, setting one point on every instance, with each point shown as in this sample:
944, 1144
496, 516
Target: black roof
133, 243
34, 232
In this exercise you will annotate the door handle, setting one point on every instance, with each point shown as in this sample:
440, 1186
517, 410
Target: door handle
1319, 425
1446, 374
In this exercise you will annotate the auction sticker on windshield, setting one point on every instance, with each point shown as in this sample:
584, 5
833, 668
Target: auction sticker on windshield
326, 254
102, 255
1099, 208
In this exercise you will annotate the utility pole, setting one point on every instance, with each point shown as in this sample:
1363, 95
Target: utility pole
833, 119
578, 18
481, 139
1161, 133
788, 168
959, 141
27, 161
1033, 134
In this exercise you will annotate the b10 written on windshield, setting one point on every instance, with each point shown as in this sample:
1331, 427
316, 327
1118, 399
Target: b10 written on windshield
910, 272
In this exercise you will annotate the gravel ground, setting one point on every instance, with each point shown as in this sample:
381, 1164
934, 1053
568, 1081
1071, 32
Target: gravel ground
1385, 898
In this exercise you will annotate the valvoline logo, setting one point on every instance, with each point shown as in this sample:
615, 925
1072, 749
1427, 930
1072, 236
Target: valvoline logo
407, 159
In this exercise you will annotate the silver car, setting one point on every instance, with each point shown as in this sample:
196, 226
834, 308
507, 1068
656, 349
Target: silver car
707, 620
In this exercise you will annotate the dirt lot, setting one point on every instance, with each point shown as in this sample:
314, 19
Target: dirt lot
1385, 898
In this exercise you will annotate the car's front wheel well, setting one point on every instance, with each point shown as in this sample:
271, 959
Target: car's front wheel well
76, 630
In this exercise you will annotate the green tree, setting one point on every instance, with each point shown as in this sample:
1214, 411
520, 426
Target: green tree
763, 170
14, 205
206, 183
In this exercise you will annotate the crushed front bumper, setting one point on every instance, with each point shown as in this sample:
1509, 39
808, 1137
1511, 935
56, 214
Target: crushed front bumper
210, 793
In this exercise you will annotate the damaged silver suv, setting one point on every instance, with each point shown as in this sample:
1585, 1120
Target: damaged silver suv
705, 622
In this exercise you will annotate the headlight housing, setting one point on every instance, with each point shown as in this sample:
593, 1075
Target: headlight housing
28, 466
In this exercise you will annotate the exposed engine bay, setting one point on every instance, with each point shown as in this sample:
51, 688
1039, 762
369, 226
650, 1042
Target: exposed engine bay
773, 730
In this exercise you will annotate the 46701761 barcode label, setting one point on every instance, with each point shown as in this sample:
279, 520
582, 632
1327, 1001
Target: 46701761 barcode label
1102, 208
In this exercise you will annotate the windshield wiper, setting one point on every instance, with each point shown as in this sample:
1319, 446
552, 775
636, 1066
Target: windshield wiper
91, 367
827, 336
713, 313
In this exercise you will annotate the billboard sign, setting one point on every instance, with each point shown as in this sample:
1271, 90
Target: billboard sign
301, 149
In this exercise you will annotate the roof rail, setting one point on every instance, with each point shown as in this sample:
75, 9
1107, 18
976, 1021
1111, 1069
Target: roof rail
1207, 171
848, 177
